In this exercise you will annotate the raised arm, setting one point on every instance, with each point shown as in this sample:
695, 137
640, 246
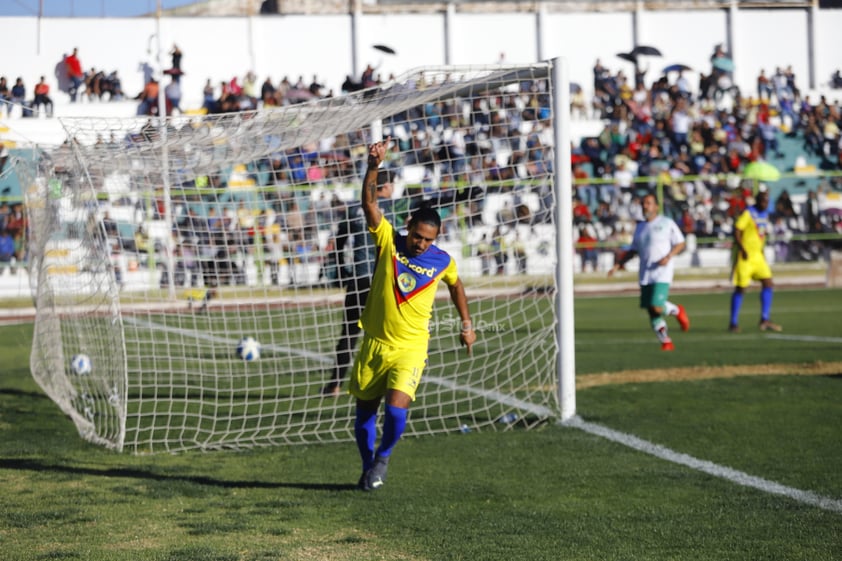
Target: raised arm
466, 330
368, 197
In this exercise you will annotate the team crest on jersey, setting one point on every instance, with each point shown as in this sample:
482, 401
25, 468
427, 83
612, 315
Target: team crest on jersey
406, 282
414, 275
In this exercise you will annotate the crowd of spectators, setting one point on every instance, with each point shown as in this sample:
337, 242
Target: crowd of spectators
16, 97
13, 229
92, 85
693, 143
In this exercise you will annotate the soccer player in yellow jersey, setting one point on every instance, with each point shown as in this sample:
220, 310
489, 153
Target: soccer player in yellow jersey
396, 320
202, 296
750, 264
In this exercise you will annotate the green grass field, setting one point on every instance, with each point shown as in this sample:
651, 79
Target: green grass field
765, 405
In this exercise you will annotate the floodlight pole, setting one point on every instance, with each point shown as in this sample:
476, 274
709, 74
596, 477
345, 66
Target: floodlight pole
812, 51
165, 163
563, 182
38, 34
356, 17
449, 18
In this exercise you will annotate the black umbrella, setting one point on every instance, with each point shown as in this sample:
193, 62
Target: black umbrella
676, 68
386, 49
628, 56
645, 50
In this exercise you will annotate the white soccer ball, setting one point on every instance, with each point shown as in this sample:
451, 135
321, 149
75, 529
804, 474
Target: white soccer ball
248, 349
81, 364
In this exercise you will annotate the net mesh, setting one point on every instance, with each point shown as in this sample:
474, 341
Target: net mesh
157, 246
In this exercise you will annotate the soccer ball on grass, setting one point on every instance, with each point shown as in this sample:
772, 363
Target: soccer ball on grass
248, 349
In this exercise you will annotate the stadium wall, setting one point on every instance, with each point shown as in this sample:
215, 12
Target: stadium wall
333, 46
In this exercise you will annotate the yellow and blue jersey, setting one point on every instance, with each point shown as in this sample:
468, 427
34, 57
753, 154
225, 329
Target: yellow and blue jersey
754, 224
403, 289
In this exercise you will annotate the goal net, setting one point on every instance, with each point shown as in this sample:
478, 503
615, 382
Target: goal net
158, 245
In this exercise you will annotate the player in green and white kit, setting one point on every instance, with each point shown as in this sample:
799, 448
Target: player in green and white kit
657, 239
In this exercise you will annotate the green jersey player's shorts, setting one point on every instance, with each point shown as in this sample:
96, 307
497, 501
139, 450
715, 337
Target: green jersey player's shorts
654, 295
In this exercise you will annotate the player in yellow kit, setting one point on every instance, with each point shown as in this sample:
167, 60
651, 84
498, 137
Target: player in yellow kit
396, 323
198, 298
750, 264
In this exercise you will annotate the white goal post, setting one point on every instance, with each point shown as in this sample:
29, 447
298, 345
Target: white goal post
157, 245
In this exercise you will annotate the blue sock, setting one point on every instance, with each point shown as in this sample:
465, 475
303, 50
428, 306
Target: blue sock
765, 303
736, 304
365, 431
394, 423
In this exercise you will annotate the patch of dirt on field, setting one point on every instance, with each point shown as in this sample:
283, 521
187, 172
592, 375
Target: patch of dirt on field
349, 549
707, 372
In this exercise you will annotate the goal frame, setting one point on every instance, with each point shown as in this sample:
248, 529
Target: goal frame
49, 369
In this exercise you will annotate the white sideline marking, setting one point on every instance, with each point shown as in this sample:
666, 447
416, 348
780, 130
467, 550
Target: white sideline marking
735, 476
538, 410
808, 338
14, 321
224, 341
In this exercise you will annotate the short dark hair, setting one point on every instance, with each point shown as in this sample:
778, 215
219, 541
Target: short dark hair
426, 215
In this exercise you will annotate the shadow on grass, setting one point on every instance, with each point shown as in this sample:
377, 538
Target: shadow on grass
22, 393
41, 467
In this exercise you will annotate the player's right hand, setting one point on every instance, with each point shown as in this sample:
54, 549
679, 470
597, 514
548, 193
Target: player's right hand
377, 152
468, 339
